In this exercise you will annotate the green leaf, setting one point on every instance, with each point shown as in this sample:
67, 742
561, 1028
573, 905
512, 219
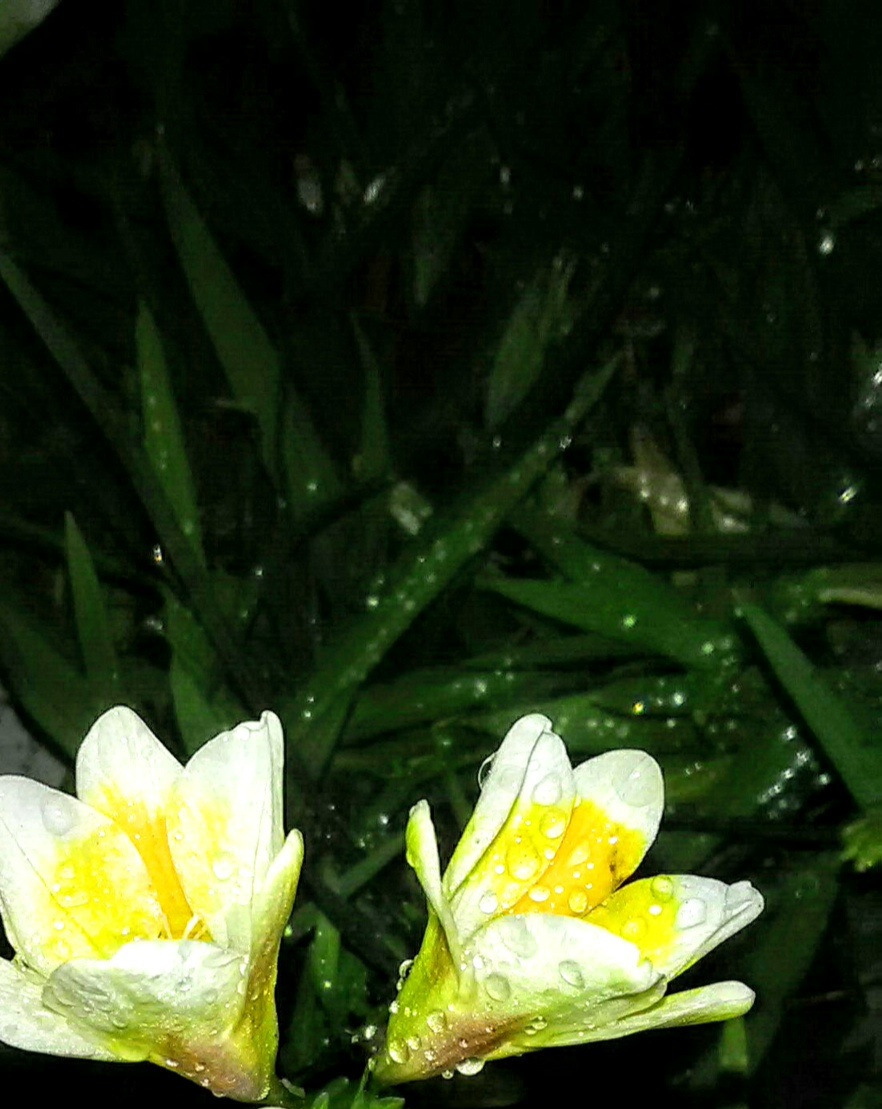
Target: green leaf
374, 461
825, 712
310, 475
541, 316
608, 606
90, 614
204, 704
614, 597
163, 435
436, 557
249, 360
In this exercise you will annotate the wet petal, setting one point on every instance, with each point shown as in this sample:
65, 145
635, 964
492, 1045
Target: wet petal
225, 825
676, 919
270, 914
26, 1023
721, 1001
175, 1003
124, 772
511, 871
422, 856
499, 792
72, 884
548, 964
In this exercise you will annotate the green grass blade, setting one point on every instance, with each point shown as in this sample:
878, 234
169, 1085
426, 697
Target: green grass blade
825, 712
163, 435
249, 360
90, 615
423, 573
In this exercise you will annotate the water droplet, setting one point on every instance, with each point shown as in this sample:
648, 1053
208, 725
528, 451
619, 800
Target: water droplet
469, 1067
662, 887
539, 894
489, 903
634, 929
436, 1021
497, 986
826, 243
553, 824
578, 902
518, 938
414, 1043
638, 780
398, 1052
571, 973
223, 868
484, 770
58, 814
522, 861
691, 913
548, 791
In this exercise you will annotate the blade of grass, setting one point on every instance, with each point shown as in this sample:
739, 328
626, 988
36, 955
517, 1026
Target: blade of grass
90, 615
825, 712
163, 435
423, 572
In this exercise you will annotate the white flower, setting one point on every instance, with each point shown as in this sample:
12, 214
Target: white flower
146, 916
530, 941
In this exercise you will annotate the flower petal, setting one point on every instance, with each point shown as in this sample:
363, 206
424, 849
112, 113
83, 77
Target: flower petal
510, 874
676, 919
521, 980
721, 1001
124, 772
72, 884
26, 1023
225, 825
550, 964
259, 1026
177, 1004
499, 792
422, 856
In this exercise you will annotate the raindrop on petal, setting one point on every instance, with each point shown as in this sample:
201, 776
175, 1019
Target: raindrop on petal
691, 913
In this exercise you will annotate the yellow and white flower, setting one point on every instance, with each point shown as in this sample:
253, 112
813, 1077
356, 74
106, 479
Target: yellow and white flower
146, 915
531, 943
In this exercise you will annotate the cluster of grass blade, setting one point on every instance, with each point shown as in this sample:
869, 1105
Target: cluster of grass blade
410, 372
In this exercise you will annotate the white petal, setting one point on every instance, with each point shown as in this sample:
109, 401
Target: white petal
25, 1022
550, 966
153, 997
72, 884
721, 1001
627, 786
124, 772
676, 919
499, 792
422, 855
272, 906
225, 824
525, 846
121, 762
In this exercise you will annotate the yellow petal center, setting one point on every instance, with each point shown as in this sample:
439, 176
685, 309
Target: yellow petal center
553, 859
102, 897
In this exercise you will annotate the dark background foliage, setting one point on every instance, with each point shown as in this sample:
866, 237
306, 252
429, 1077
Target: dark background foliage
409, 367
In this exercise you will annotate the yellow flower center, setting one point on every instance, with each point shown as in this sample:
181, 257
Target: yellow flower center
549, 859
103, 901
